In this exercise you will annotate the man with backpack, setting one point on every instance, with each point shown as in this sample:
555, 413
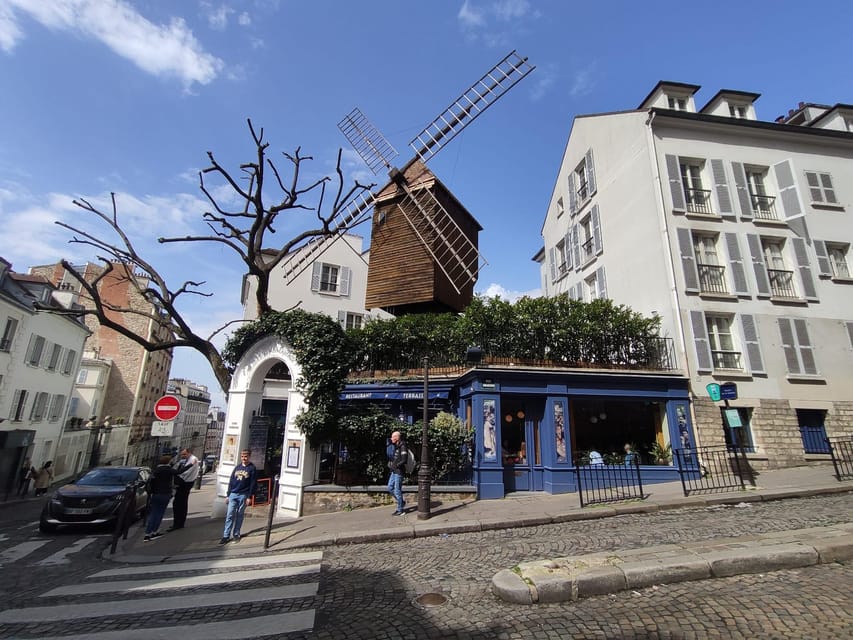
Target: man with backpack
398, 458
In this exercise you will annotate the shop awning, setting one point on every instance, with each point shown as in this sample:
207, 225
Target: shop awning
391, 395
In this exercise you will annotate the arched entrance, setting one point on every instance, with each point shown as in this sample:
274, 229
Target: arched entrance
244, 403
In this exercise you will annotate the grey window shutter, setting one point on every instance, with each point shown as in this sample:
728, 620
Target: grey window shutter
801, 331
828, 189
590, 172
788, 192
741, 287
573, 194
850, 333
576, 247
567, 249
761, 279
316, 270
596, 231
553, 263
688, 261
602, 282
824, 268
805, 268
342, 319
789, 345
721, 187
750, 341
741, 185
346, 278
814, 186
675, 187
700, 340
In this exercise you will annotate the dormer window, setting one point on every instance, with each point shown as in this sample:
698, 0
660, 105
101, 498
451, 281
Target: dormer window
738, 111
678, 103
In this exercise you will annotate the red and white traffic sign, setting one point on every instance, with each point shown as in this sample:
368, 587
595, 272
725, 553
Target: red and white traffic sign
167, 408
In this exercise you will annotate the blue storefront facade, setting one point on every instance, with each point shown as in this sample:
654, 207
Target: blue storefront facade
531, 426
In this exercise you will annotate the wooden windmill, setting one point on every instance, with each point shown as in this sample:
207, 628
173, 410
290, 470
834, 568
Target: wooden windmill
423, 249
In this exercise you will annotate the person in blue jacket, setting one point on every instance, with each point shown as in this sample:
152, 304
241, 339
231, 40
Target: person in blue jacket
242, 485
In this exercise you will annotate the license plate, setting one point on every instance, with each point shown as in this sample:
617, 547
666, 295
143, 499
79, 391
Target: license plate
78, 511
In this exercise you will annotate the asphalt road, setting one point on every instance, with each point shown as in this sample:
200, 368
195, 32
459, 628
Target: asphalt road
370, 590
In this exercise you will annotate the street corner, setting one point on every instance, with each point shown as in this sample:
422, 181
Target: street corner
560, 579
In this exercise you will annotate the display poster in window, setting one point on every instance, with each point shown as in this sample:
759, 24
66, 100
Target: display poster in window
262, 492
489, 435
293, 447
259, 429
560, 431
733, 418
229, 451
683, 433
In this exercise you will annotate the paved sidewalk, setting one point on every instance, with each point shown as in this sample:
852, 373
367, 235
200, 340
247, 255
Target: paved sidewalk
202, 533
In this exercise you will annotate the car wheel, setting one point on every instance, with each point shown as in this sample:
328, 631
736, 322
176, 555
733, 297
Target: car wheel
47, 527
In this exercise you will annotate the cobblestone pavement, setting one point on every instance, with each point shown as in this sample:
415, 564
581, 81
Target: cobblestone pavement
368, 590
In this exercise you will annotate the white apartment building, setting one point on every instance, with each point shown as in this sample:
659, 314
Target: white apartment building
736, 232
191, 424
39, 357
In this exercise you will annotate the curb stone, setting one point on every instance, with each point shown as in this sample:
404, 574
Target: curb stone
569, 578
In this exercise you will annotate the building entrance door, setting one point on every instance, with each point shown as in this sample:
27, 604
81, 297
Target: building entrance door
521, 447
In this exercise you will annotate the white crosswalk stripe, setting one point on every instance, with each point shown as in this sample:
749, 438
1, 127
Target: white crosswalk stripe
20, 551
186, 572
61, 556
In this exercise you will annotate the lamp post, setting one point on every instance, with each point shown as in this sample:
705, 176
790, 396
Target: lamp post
424, 470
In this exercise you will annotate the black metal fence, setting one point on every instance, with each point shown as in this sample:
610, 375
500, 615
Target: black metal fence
841, 450
603, 483
713, 469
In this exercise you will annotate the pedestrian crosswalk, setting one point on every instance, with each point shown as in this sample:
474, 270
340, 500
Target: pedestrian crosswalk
141, 595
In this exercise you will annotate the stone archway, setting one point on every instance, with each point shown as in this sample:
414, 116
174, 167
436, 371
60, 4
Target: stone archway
244, 401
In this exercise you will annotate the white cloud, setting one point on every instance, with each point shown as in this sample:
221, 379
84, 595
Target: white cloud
469, 16
495, 23
217, 17
244, 20
544, 80
583, 82
500, 291
161, 50
354, 168
508, 10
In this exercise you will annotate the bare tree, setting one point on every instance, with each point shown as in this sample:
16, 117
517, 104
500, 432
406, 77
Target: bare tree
244, 230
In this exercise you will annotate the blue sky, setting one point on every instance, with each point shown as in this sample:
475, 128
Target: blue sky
128, 96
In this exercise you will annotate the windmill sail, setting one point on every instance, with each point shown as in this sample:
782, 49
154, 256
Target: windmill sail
474, 101
368, 142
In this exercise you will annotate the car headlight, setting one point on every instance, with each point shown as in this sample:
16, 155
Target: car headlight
56, 501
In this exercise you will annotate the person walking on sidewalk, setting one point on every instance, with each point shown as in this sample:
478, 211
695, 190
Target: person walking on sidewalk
24, 475
397, 464
186, 468
242, 485
159, 492
43, 478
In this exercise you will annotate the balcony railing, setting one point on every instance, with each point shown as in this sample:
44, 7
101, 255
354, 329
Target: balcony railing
726, 359
698, 200
5, 344
782, 283
712, 278
588, 249
583, 192
839, 270
764, 207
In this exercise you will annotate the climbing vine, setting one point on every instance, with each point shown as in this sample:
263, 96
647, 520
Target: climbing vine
323, 352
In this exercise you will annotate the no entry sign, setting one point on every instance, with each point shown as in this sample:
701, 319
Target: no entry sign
167, 408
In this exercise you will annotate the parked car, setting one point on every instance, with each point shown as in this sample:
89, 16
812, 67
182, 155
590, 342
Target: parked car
209, 463
97, 497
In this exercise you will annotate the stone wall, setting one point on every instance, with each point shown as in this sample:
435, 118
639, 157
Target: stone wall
329, 498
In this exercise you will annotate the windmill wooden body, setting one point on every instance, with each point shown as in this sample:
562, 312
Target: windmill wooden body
424, 252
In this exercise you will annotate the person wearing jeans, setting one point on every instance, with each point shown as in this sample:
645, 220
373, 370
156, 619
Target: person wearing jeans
160, 492
397, 464
240, 487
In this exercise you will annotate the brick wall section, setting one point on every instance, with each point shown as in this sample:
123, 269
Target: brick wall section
133, 369
839, 421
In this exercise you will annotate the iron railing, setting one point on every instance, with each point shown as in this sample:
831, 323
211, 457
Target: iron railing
782, 283
588, 249
712, 278
698, 200
840, 269
814, 440
726, 359
713, 469
841, 450
603, 483
764, 207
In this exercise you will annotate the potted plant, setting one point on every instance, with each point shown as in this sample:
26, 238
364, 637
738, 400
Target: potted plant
661, 454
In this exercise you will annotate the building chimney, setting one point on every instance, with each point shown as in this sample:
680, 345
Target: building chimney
801, 105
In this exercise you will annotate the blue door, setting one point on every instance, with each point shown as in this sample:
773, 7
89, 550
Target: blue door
521, 447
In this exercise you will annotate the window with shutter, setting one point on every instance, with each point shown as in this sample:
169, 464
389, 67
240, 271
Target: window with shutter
821, 190
688, 261
837, 257
70, 362
712, 275
788, 192
346, 280
721, 188
53, 358
598, 242
738, 272
8, 334
762, 279
797, 345
676, 189
749, 331
698, 198
19, 402
725, 353
39, 407
804, 266
35, 350
700, 341
57, 404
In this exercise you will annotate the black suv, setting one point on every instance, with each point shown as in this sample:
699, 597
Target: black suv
96, 497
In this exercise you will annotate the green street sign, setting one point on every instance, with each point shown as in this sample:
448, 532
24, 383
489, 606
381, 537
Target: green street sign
713, 391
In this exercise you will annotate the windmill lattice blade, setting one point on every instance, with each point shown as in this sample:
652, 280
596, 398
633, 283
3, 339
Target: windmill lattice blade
371, 145
453, 252
479, 97
351, 216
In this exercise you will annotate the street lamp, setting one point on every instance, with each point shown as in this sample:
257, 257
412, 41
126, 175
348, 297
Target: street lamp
424, 470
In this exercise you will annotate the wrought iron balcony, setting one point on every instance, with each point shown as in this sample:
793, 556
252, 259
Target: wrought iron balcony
588, 249
583, 191
840, 269
712, 278
726, 359
764, 207
782, 283
698, 200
